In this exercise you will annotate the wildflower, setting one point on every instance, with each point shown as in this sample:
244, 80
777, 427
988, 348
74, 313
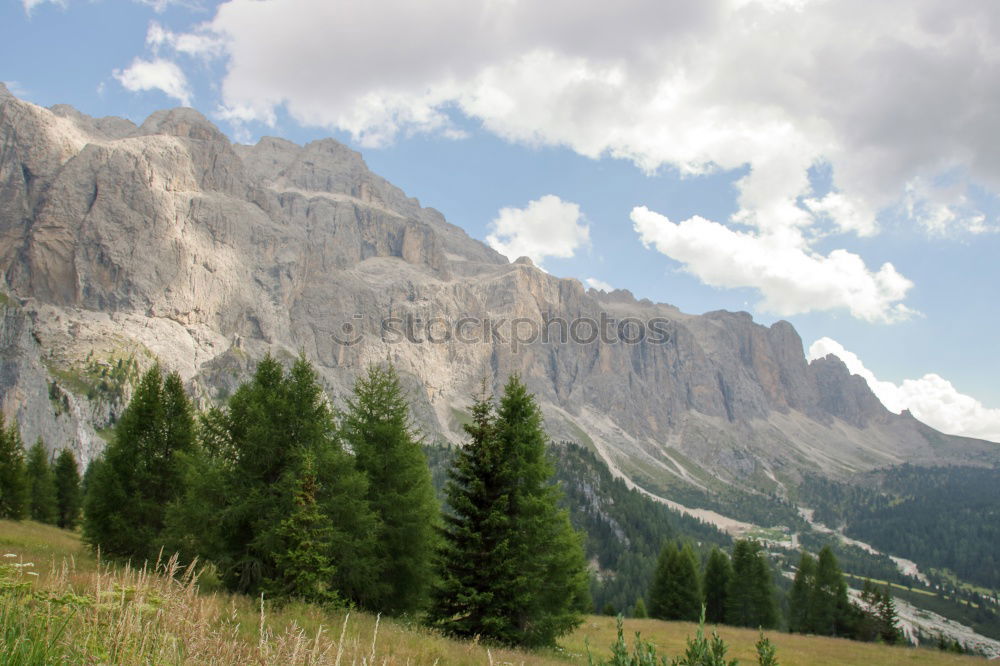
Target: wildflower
10, 554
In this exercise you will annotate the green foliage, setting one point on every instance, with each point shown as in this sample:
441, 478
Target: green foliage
800, 597
42, 505
829, 608
512, 568
940, 517
767, 654
244, 482
643, 653
750, 597
67, 481
377, 427
718, 574
140, 473
702, 651
675, 593
13, 476
639, 610
624, 529
303, 569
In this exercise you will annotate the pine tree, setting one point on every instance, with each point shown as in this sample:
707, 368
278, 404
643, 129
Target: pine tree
718, 573
800, 597
829, 605
377, 427
675, 593
512, 568
67, 480
41, 485
303, 569
243, 480
889, 630
750, 601
139, 473
639, 611
13, 477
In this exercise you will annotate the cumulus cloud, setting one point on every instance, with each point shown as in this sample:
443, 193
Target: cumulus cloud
931, 399
188, 43
791, 278
157, 74
600, 285
901, 96
546, 227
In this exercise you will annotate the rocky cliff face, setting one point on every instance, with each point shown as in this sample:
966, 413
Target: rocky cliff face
123, 245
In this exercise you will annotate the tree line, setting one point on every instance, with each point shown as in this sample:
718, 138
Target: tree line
739, 590
288, 496
32, 485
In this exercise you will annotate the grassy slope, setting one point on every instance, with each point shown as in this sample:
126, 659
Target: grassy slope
119, 615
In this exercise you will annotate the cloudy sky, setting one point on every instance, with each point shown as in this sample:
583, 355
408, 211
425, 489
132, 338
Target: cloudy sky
832, 163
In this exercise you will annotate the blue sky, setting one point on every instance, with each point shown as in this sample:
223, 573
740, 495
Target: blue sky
834, 164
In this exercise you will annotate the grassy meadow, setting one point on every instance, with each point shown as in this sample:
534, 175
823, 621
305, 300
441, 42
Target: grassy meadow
60, 605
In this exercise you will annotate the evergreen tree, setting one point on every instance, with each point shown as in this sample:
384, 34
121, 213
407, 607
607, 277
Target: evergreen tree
139, 473
67, 480
303, 569
718, 573
243, 484
377, 427
829, 607
800, 598
639, 611
675, 593
41, 485
889, 630
13, 477
512, 568
750, 600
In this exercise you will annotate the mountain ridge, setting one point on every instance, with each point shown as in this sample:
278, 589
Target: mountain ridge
164, 242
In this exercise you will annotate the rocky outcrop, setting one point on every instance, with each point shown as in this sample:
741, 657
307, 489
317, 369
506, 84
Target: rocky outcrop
125, 244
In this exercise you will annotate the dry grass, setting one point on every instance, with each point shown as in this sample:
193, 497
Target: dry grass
78, 611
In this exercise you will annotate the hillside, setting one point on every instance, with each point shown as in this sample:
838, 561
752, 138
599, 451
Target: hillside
130, 617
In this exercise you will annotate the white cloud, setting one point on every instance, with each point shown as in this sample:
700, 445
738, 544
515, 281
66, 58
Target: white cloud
546, 227
931, 399
791, 278
600, 285
905, 92
157, 74
188, 43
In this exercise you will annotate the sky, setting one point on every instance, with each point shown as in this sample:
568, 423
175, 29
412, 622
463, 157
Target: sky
832, 163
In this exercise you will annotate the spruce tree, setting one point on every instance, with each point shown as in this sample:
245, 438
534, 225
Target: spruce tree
139, 473
639, 611
511, 568
377, 427
829, 612
13, 477
750, 601
67, 480
889, 630
303, 569
800, 597
41, 485
475, 563
718, 573
675, 593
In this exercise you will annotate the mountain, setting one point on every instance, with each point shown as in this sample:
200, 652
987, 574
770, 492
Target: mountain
124, 245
